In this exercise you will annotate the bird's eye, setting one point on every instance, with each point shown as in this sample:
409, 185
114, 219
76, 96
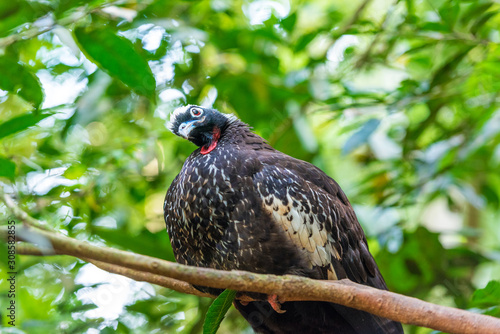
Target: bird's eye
196, 112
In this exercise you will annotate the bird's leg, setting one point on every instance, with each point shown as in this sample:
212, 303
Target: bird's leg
244, 299
273, 300
275, 303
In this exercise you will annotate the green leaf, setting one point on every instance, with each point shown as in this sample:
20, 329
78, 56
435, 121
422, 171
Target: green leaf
7, 168
117, 56
487, 297
217, 311
449, 13
474, 11
443, 74
18, 79
482, 20
14, 14
289, 22
303, 41
20, 123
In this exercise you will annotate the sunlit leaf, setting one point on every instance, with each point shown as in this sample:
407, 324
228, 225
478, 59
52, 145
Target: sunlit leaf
117, 56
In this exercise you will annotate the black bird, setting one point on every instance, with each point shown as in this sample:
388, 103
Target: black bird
239, 204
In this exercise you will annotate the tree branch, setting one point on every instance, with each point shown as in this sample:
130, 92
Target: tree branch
382, 303
344, 292
169, 283
34, 30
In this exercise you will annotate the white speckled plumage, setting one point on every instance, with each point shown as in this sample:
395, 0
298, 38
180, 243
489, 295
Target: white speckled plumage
241, 205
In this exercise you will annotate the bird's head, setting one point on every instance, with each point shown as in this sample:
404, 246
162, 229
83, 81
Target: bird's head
201, 126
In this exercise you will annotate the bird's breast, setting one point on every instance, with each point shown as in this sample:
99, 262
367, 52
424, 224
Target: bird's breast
205, 195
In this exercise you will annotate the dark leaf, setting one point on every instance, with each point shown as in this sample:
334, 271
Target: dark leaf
443, 74
487, 297
475, 10
217, 311
20, 123
449, 13
7, 168
481, 21
13, 14
303, 41
17, 79
289, 22
117, 56
435, 26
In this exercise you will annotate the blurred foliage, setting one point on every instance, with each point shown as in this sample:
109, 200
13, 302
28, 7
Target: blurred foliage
397, 100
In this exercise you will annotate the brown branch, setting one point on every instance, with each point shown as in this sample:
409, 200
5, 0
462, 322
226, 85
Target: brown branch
170, 283
34, 30
19, 213
344, 292
382, 303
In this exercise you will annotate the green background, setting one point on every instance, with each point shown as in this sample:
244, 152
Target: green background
396, 100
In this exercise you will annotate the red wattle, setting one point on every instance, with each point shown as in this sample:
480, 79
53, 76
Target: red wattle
206, 150
213, 144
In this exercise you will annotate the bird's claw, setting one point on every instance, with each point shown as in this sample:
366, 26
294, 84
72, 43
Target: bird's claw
273, 300
275, 303
244, 300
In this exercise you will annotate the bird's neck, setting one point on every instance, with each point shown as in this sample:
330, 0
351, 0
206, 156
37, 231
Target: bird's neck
213, 142
240, 134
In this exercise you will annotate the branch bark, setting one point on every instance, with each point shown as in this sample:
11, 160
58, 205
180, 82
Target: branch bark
291, 288
170, 283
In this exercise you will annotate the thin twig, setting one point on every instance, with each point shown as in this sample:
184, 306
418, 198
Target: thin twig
16, 211
170, 283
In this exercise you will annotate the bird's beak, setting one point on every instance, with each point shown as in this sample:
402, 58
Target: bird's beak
185, 128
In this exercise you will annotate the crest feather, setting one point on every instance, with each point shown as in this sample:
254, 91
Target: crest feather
175, 114
183, 109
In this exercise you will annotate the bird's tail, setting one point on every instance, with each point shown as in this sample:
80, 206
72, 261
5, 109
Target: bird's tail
314, 317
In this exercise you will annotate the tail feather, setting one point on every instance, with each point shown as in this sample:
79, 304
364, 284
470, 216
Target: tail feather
314, 317
364, 322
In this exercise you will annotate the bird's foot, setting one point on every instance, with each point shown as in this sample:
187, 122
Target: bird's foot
273, 300
275, 303
244, 300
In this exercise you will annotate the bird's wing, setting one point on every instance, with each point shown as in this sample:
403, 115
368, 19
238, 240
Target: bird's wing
314, 212
316, 215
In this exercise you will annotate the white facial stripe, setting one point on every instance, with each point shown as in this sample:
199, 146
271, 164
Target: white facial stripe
184, 109
175, 114
185, 128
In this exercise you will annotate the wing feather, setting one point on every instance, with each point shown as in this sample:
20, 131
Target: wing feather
313, 211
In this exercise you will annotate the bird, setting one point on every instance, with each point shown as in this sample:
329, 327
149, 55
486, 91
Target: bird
239, 204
